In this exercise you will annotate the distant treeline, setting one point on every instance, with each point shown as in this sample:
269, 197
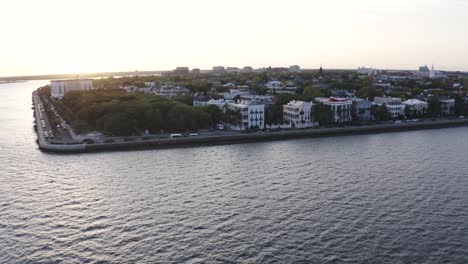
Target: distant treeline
72, 76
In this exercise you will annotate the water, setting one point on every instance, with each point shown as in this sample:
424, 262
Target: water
386, 198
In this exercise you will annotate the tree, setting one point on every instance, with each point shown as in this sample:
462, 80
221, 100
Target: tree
368, 92
153, 120
215, 114
184, 98
380, 112
311, 93
433, 108
323, 114
459, 106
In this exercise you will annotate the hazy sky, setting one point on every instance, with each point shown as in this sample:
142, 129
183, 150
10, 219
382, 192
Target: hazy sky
66, 36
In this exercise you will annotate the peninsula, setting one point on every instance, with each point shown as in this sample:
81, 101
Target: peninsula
228, 105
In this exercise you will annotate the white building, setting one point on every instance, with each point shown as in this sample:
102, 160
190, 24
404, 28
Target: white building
169, 91
416, 106
298, 113
253, 98
272, 85
235, 92
364, 70
432, 72
341, 108
393, 104
150, 84
295, 68
252, 116
220, 103
58, 88
447, 106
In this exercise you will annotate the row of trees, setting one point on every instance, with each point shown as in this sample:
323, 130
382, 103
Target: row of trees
120, 113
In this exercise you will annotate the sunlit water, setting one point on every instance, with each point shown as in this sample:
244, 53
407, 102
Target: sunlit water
386, 198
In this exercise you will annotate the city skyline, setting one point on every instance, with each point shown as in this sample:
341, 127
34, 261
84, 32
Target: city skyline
52, 37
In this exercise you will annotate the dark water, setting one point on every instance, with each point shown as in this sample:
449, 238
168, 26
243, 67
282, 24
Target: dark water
387, 198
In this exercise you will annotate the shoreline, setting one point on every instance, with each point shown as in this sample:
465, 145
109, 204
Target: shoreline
247, 138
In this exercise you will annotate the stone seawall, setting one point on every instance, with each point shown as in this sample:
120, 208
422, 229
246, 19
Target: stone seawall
253, 137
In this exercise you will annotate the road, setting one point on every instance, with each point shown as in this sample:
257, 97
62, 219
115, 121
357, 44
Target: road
42, 109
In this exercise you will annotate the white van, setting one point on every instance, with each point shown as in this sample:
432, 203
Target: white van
176, 135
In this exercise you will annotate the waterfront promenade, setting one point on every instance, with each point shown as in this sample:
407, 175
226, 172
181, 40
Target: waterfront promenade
141, 142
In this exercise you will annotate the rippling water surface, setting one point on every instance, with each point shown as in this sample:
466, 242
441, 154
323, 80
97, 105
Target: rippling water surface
386, 198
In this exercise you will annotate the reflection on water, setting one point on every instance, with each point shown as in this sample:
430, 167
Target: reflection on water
386, 198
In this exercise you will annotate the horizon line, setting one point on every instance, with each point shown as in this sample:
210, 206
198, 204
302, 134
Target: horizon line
162, 71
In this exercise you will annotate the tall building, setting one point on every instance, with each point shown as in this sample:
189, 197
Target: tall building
58, 88
182, 70
424, 68
298, 113
432, 73
393, 104
341, 108
364, 70
295, 68
218, 69
252, 116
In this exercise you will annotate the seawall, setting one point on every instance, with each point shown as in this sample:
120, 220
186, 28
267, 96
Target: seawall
252, 137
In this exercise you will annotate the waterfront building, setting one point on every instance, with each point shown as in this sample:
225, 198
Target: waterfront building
362, 109
393, 104
341, 108
298, 113
447, 106
415, 106
58, 88
251, 117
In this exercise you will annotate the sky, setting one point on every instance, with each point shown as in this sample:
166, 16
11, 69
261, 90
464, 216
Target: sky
71, 36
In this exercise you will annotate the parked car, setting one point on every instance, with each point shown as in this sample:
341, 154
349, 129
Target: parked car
194, 134
176, 135
220, 126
